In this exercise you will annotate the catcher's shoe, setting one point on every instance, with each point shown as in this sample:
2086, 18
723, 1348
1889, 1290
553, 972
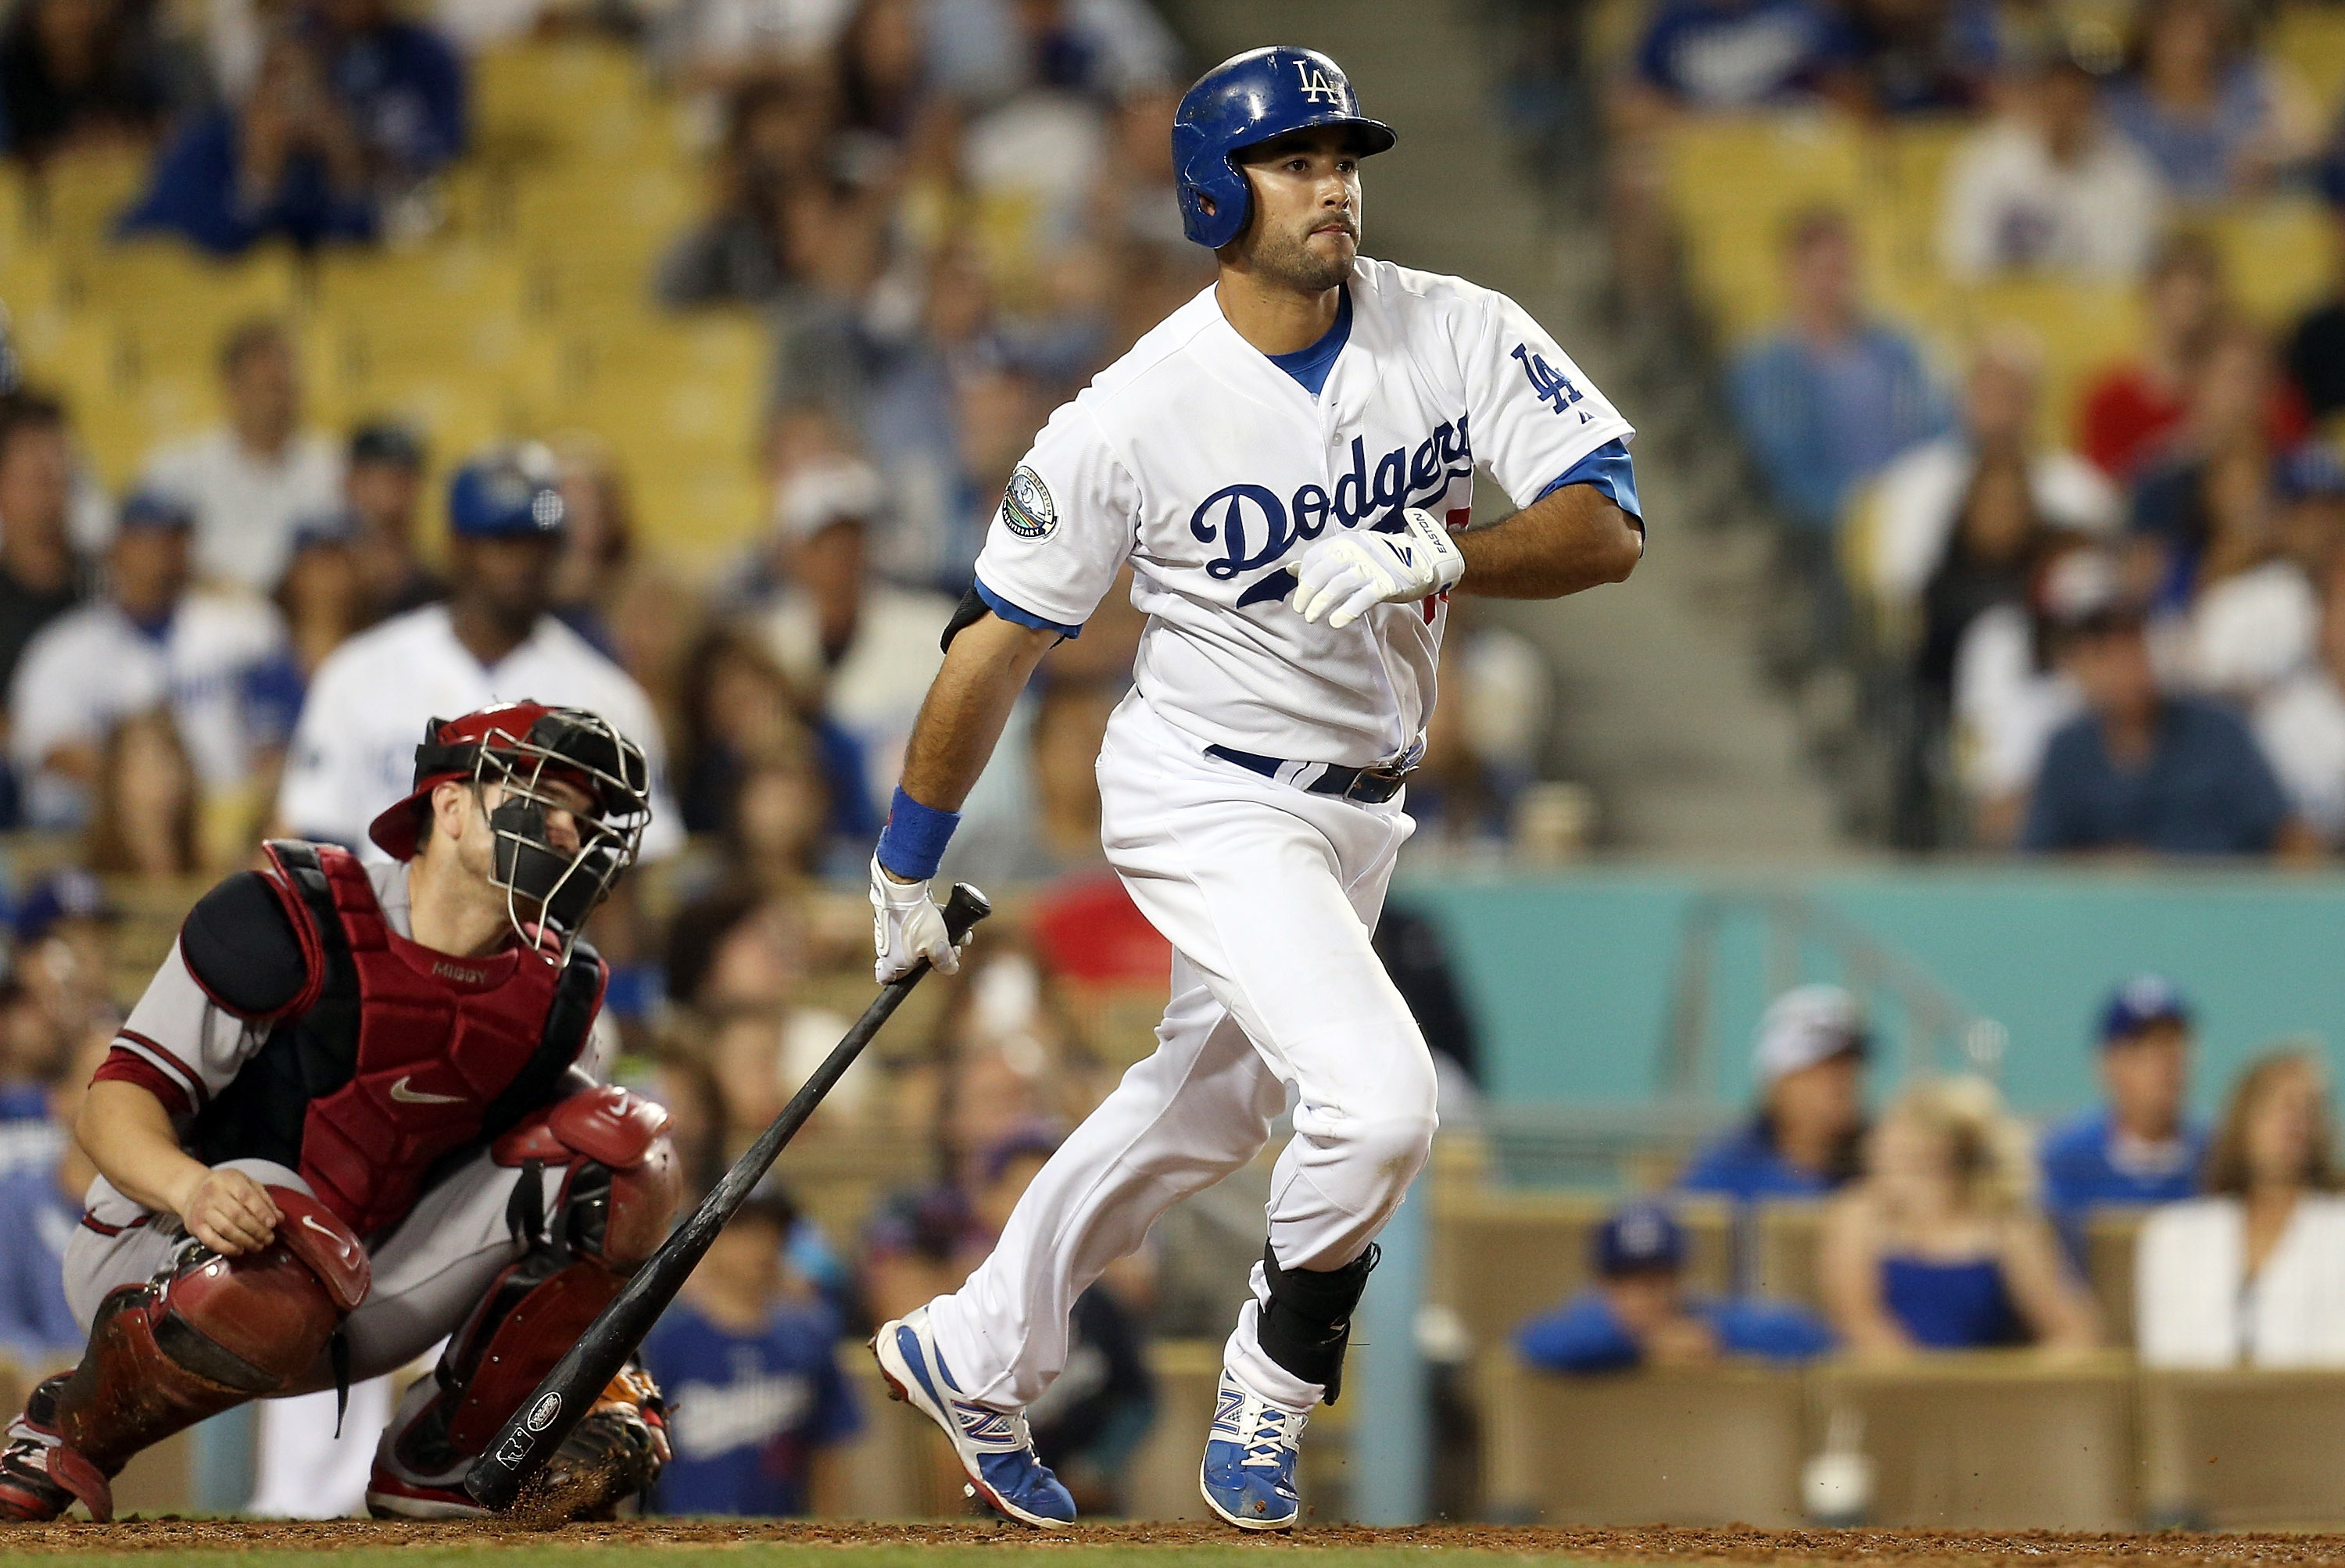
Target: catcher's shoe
616, 1452
40, 1477
993, 1446
1248, 1473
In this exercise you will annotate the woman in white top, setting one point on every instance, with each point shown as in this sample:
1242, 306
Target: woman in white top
2254, 1272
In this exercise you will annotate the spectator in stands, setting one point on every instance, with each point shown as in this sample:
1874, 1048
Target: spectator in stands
145, 822
2142, 1148
38, 577
1824, 402
1727, 55
38, 1331
2301, 722
1958, 522
883, 78
776, 132
748, 1358
154, 641
2252, 616
382, 491
735, 949
76, 72
986, 50
598, 537
251, 481
284, 162
1809, 1060
1639, 1313
2142, 771
2010, 695
494, 639
2130, 412
1939, 1247
2048, 187
399, 84
867, 649
324, 605
1918, 56
64, 949
2316, 344
2252, 1273
2215, 119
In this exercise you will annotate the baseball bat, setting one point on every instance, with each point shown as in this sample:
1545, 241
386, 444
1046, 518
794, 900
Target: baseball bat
565, 1394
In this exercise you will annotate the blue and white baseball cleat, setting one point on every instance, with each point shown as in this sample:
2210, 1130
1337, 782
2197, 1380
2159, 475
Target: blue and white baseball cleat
994, 1448
1248, 1476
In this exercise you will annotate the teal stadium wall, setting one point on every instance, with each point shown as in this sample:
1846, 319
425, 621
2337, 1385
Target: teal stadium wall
1572, 977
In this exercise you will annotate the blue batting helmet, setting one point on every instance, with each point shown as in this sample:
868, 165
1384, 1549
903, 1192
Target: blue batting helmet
507, 493
1250, 99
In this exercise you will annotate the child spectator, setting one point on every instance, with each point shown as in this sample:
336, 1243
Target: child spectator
1939, 1247
1809, 1059
2049, 188
2141, 1147
748, 1358
145, 819
2254, 1272
1638, 1314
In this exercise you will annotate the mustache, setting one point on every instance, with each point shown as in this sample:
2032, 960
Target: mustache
1344, 222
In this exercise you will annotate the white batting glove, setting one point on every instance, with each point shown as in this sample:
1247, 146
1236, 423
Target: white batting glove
1344, 574
907, 927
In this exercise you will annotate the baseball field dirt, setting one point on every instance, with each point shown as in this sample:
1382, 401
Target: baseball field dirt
143, 1544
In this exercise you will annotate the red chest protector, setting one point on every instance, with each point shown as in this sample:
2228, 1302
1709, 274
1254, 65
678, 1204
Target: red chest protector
398, 1061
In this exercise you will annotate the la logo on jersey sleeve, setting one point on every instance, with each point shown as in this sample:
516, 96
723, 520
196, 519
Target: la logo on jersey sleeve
1027, 509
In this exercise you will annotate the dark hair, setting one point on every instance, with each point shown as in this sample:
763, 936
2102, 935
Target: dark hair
26, 410
698, 933
1806, 225
109, 846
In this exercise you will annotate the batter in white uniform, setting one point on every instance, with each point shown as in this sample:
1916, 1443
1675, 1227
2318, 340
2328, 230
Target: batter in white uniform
1288, 464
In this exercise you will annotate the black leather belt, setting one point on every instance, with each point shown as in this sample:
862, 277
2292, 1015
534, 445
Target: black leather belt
1375, 786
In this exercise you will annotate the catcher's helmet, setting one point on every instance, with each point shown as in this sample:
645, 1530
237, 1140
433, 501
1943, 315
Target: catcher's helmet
1250, 99
523, 746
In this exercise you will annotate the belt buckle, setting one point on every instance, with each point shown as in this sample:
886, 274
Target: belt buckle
1375, 786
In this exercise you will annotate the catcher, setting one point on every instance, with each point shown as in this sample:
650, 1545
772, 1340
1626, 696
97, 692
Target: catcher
347, 1119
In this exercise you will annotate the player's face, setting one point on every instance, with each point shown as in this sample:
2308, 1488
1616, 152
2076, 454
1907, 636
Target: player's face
1305, 229
511, 579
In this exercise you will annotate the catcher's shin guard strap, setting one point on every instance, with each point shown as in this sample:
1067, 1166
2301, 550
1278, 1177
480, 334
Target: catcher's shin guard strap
1308, 1323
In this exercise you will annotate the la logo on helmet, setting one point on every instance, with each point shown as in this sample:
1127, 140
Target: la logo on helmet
1316, 86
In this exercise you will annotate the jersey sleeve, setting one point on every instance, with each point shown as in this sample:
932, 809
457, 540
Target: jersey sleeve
1535, 417
178, 1045
1068, 521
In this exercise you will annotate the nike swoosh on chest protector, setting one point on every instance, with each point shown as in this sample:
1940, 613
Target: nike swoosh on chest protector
406, 1096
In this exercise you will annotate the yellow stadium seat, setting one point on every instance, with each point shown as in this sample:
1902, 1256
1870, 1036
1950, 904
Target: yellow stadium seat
75, 199
1734, 180
543, 97
2281, 254
177, 302
2311, 40
700, 520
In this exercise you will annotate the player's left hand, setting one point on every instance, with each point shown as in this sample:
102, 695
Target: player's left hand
1344, 574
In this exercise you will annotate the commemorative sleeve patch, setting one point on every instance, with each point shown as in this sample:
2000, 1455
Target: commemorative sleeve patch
1027, 509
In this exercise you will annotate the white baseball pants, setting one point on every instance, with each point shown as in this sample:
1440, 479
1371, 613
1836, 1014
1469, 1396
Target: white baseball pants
1267, 894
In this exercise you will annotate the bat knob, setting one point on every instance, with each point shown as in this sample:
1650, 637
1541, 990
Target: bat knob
963, 909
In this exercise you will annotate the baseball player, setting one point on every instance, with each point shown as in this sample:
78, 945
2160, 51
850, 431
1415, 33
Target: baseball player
345, 1120
1287, 463
495, 641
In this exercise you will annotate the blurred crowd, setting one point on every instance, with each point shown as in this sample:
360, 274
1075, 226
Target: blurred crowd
2102, 626
1945, 1223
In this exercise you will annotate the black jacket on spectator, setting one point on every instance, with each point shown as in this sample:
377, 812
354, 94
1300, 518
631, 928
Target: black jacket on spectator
2315, 360
126, 91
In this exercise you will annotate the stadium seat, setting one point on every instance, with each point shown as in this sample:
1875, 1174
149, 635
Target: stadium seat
2244, 1450
1784, 1238
2110, 1238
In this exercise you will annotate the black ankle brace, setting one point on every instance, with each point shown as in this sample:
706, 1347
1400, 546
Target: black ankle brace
1307, 1324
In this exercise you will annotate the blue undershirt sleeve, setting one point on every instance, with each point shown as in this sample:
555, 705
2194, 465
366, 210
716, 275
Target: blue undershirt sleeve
1609, 469
1024, 617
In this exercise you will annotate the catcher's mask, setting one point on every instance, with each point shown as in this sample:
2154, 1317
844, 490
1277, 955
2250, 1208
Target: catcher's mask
527, 751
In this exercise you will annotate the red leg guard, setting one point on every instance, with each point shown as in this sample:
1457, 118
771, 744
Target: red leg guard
214, 1332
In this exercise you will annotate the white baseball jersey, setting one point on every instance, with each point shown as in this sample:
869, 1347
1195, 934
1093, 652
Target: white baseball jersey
354, 750
88, 670
1209, 468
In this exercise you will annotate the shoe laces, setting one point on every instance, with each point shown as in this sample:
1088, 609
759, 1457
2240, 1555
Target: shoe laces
1267, 1434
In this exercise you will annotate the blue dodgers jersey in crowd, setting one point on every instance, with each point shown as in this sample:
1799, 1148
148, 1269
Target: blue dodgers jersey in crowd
2080, 1175
1584, 1335
746, 1412
1743, 1166
35, 1323
2206, 790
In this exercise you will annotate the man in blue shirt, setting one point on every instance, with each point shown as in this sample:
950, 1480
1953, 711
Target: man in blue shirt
1824, 402
1809, 1059
42, 1203
1638, 1314
2139, 770
2141, 1147
751, 1370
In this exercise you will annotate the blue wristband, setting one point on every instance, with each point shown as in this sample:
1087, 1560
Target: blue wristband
915, 838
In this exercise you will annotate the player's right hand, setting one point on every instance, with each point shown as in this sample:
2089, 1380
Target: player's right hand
907, 927
230, 1213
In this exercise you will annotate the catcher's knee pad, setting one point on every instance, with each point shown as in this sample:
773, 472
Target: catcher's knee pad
1306, 1325
620, 1184
209, 1333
